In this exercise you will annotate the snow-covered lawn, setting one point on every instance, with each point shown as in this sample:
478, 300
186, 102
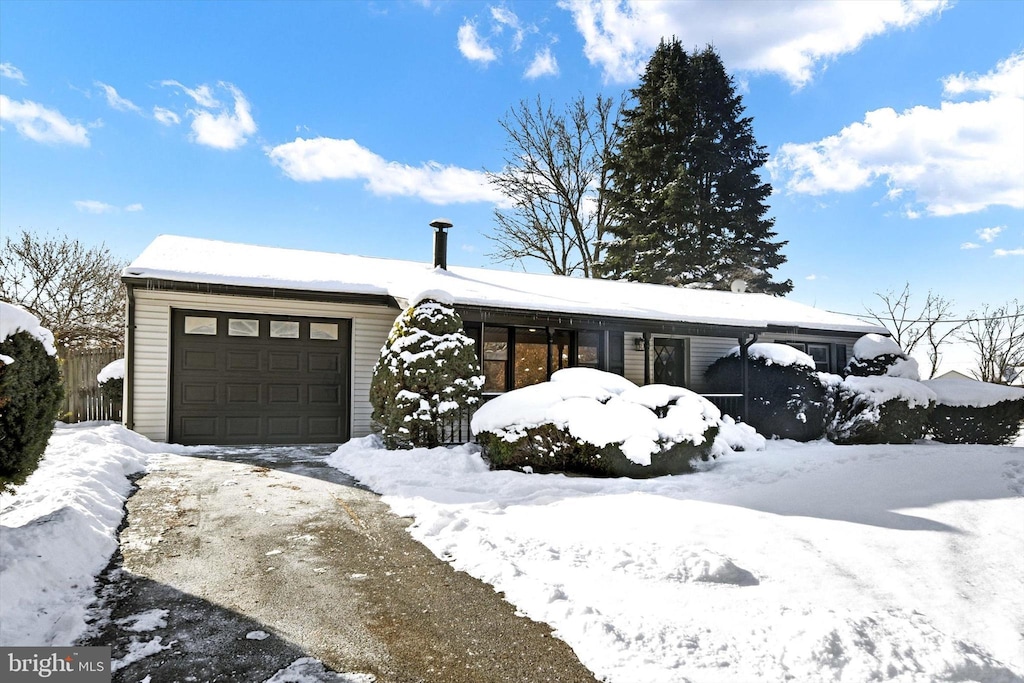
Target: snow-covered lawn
806, 562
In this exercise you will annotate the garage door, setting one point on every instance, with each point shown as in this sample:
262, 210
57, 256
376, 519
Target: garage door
239, 378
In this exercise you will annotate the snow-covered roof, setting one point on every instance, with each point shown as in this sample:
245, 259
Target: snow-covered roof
189, 259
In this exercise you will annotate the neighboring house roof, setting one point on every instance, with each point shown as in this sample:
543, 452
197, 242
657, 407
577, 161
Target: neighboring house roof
953, 374
193, 260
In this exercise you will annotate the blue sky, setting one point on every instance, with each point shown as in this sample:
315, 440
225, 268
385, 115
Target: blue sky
896, 129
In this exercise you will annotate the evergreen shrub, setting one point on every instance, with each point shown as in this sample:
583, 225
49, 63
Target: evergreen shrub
997, 424
427, 374
878, 410
31, 392
604, 428
786, 401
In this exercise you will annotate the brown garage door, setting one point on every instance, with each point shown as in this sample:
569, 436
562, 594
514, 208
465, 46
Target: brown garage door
240, 378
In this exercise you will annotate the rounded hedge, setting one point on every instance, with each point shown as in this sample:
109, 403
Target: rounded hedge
31, 392
997, 424
877, 410
786, 401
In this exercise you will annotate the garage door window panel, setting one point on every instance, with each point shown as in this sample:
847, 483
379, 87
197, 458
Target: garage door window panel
243, 327
284, 329
195, 324
325, 331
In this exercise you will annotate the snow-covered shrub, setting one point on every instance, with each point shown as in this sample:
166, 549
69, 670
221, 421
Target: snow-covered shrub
30, 393
976, 412
590, 422
875, 355
787, 399
870, 410
111, 381
426, 375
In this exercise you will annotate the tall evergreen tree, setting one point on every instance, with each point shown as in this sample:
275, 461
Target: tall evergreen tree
686, 204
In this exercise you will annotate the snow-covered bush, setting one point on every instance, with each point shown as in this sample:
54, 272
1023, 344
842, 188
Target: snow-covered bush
870, 410
976, 412
590, 422
426, 375
111, 381
787, 399
30, 393
875, 355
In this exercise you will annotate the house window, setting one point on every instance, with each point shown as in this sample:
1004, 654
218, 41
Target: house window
195, 324
821, 354
327, 331
243, 327
284, 329
516, 357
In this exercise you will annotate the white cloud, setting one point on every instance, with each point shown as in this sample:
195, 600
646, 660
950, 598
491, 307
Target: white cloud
132, 208
1008, 252
970, 245
960, 158
166, 116
543, 64
333, 159
505, 17
214, 124
8, 70
812, 276
473, 47
1005, 79
792, 38
42, 124
989, 234
116, 101
93, 206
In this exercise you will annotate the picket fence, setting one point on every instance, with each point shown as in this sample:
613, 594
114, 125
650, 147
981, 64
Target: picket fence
82, 397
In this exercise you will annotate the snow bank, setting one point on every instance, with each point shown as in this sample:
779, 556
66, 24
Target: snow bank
811, 562
58, 530
14, 319
875, 345
971, 394
776, 354
114, 370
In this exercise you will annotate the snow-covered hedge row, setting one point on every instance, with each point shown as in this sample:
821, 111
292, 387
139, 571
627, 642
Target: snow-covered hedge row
591, 422
30, 393
976, 412
874, 410
787, 399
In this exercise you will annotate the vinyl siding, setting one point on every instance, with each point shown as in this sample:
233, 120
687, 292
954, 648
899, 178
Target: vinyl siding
151, 369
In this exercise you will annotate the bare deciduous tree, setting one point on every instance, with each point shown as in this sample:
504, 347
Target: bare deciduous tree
997, 336
74, 290
933, 327
555, 177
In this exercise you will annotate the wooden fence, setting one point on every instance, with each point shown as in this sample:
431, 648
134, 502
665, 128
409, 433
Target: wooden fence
82, 398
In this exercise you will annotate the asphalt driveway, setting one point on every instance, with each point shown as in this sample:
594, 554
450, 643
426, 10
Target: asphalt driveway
259, 563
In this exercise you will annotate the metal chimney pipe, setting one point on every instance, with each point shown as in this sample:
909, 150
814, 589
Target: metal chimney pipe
440, 226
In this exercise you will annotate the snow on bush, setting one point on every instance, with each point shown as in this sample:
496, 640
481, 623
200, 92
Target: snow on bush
15, 319
876, 354
111, 381
976, 412
426, 375
871, 410
787, 400
592, 422
112, 370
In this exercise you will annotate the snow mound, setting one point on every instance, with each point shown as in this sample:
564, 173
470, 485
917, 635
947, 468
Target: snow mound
906, 368
441, 296
114, 370
583, 377
878, 389
14, 319
874, 345
310, 670
736, 436
776, 354
971, 394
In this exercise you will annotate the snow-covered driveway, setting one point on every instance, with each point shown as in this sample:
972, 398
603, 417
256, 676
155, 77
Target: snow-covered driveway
259, 564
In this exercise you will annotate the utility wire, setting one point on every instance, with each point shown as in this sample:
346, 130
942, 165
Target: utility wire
944, 320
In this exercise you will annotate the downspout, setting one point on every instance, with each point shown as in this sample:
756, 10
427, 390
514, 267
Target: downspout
745, 372
647, 358
128, 408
